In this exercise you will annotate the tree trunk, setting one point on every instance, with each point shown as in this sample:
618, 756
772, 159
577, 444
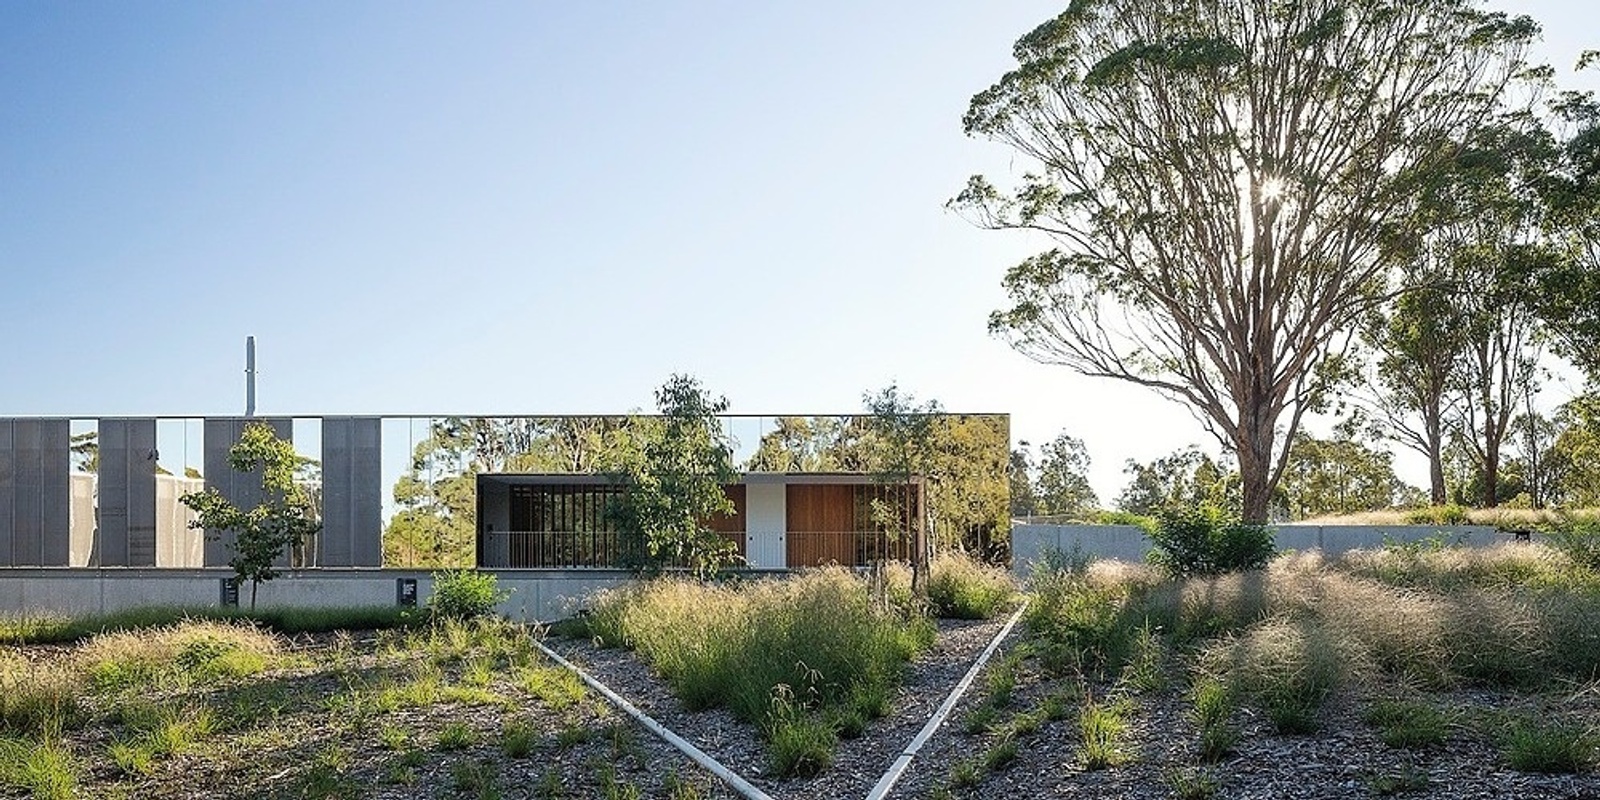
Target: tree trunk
1437, 494
1254, 450
1491, 473
1433, 430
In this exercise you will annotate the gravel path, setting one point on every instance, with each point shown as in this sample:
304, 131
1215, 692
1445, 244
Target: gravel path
1345, 759
858, 763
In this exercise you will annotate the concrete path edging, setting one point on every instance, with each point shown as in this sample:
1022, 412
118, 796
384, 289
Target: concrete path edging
903, 761
711, 765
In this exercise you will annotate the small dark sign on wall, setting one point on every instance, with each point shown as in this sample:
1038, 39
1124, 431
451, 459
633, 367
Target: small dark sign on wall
405, 591
230, 592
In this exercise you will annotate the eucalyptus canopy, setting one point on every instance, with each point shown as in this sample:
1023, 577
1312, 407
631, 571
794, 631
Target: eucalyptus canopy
1220, 180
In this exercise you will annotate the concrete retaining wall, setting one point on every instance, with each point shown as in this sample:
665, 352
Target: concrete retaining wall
536, 596
1030, 543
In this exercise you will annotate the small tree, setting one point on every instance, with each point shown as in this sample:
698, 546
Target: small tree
285, 517
673, 481
905, 431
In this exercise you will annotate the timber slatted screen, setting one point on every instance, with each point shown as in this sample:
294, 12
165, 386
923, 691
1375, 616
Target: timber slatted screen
562, 526
838, 523
565, 525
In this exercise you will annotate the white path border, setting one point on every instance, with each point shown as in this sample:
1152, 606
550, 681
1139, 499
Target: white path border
699, 756
751, 791
897, 769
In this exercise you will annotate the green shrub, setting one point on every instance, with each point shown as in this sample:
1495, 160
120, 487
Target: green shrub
45, 768
961, 588
799, 743
1207, 541
1212, 714
1579, 538
61, 629
819, 635
966, 773
154, 732
1190, 784
478, 779
556, 687
1406, 779
1144, 671
1451, 514
1054, 560
1088, 623
1408, 724
980, 719
35, 700
465, 593
1495, 638
455, 736
1102, 727
1001, 680
518, 738
1549, 748
1000, 754
1142, 521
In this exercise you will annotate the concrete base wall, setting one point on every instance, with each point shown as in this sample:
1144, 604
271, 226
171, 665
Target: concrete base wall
1031, 543
536, 596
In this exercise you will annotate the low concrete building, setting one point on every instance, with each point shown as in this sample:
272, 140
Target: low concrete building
780, 520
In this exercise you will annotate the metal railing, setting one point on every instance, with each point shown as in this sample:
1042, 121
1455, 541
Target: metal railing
570, 550
847, 548
613, 550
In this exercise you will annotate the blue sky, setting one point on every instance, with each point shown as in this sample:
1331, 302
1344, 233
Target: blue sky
523, 208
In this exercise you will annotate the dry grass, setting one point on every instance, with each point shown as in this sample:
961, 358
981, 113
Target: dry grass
1287, 667
1503, 518
1523, 565
960, 587
781, 653
180, 655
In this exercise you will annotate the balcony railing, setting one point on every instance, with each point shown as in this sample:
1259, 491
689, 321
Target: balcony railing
611, 550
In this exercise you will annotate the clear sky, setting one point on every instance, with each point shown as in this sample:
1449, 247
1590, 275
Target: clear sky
524, 207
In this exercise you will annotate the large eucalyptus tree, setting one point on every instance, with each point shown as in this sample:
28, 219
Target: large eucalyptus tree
1219, 179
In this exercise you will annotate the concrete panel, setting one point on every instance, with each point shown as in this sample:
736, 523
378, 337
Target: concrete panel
55, 454
35, 492
112, 531
27, 500
536, 596
141, 488
243, 489
8, 492
1335, 540
127, 527
1031, 543
334, 541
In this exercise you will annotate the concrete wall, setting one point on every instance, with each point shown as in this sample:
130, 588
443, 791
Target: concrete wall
1029, 543
536, 596
126, 494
